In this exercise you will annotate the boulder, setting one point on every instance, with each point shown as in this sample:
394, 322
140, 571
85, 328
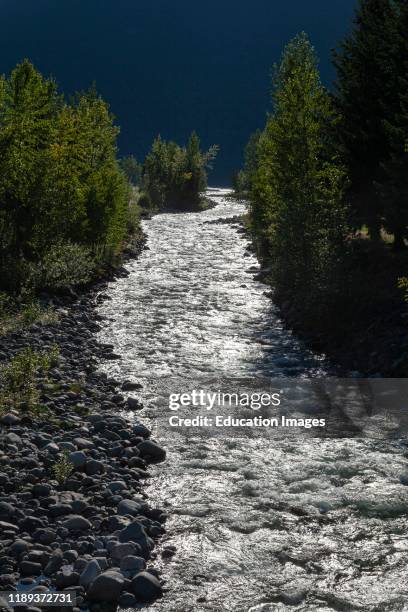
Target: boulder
129, 506
76, 523
78, 459
151, 450
135, 532
91, 571
106, 587
132, 564
146, 587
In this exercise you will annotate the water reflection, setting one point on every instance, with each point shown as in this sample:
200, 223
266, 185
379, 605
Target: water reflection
261, 524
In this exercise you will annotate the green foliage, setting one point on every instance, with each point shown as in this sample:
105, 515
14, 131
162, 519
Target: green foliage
61, 188
17, 314
174, 176
66, 264
244, 179
403, 284
20, 378
63, 468
132, 169
145, 202
372, 98
296, 212
239, 184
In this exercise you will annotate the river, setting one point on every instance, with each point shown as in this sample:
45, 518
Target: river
261, 523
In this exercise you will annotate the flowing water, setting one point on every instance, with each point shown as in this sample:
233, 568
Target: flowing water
260, 522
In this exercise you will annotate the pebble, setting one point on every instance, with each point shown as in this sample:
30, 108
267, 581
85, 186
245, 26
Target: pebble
92, 531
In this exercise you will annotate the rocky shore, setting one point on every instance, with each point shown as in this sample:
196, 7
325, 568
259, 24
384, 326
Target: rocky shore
73, 513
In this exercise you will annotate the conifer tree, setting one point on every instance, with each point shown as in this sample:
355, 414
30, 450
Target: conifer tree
296, 204
393, 182
371, 69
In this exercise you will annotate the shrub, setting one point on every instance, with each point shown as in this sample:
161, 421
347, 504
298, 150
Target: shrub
66, 264
63, 468
403, 284
20, 378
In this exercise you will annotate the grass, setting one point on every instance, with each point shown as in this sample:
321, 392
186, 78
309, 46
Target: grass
15, 317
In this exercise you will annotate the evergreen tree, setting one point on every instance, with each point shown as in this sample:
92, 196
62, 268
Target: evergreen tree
61, 188
174, 176
393, 182
296, 205
30, 105
132, 169
251, 158
368, 98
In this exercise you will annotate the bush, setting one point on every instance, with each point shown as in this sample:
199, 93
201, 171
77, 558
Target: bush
403, 284
66, 264
20, 378
63, 468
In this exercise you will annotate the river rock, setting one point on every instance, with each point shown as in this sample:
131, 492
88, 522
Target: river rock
127, 600
149, 449
18, 547
128, 385
66, 578
77, 523
78, 459
146, 587
132, 564
119, 551
129, 506
106, 587
404, 479
10, 419
54, 564
44, 536
7, 511
134, 404
135, 532
30, 568
83, 444
91, 571
42, 489
117, 485
93, 467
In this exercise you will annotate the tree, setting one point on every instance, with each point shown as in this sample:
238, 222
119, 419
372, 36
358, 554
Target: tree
296, 212
132, 169
369, 65
174, 176
30, 105
251, 158
60, 181
393, 181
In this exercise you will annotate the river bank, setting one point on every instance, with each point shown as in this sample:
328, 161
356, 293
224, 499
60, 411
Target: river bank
372, 339
73, 509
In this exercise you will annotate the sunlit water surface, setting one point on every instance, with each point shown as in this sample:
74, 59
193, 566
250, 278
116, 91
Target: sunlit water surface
260, 524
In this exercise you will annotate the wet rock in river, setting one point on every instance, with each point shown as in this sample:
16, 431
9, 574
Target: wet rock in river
146, 587
151, 450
